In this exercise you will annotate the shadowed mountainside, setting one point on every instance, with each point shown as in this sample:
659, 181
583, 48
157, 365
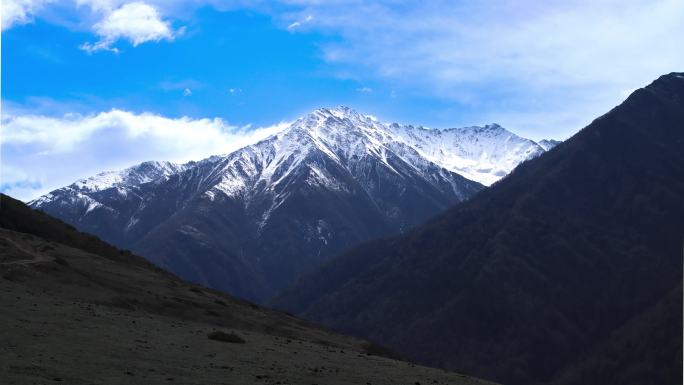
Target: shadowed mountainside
568, 271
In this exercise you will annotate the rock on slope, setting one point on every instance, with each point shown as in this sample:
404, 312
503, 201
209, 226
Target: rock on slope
78, 311
555, 275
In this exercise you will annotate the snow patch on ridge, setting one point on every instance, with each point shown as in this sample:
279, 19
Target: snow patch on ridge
483, 154
143, 173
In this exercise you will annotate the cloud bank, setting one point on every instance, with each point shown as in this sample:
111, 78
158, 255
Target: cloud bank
40, 153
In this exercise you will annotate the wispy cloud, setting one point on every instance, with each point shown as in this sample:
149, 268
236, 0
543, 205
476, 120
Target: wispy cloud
364, 90
522, 59
541, 65
17, 12
17, 183
299, 23
43, 152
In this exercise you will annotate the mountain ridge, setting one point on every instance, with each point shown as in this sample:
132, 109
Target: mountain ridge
152, 170
556, 256
251, 221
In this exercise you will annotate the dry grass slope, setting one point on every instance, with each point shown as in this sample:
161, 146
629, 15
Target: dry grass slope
76, 317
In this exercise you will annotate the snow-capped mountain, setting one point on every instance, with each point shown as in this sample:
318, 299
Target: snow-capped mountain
145, 172
548, 144
251, 221
483, 154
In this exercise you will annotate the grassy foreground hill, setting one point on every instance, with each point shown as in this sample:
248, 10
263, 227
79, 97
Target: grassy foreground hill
76, 310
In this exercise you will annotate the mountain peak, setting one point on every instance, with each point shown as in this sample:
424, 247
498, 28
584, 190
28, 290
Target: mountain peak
339, 112
667, 85
493, 127
480, 153
141, 173
343, 109
334, 123
548, 144
489, 128
672, 76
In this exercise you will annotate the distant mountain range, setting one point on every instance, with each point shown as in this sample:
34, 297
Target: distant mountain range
568, 271
252, 221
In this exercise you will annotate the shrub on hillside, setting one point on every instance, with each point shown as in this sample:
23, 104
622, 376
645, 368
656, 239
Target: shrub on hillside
226, 337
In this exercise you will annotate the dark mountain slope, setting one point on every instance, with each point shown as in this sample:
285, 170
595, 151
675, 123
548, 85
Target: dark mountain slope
226, 242
532, 274
645, 345
16, 216
77, 317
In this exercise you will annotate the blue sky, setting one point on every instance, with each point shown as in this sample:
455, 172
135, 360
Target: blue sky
90, 85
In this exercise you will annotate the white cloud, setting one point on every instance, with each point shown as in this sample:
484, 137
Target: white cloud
364, 90
55, 151
187, 92
520, 59
137, 22
17, 12
298, 23
16, 183
111, 20
100, 5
